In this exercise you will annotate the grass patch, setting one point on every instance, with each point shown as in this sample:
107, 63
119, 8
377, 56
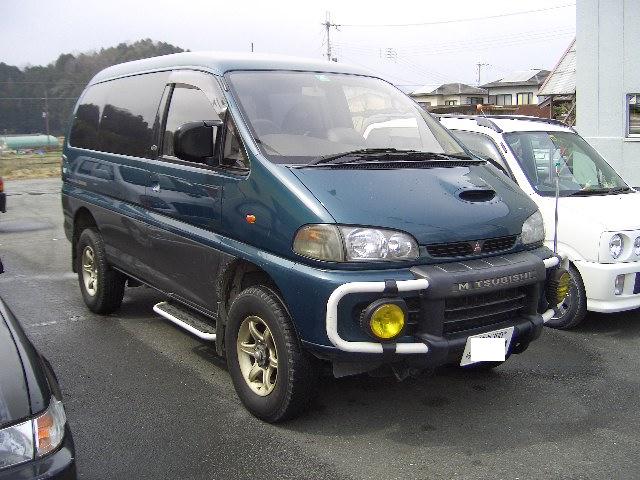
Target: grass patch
15, 167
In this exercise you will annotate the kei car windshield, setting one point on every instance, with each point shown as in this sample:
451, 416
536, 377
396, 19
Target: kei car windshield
298, 116
582, 170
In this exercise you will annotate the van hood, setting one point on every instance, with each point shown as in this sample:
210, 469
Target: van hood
608, 212
583, 220
424, 202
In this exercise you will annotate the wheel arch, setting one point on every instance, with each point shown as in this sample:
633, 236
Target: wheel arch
82, 220
236, 275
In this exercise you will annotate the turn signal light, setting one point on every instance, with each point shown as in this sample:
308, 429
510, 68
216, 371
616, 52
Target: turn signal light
558, 284
385, 319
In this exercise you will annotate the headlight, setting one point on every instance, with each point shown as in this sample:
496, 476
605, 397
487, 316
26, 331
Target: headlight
533, 229
363, 244
33, 438
636, 246
616, 244
16, 444
342, 243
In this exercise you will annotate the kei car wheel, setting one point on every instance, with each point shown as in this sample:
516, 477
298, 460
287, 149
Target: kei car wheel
574, 308
274, 378
102, 287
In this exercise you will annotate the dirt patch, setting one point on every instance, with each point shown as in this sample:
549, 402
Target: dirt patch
16, 167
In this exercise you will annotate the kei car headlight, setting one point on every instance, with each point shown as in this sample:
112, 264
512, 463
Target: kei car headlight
33, 438
616, 245
533, 229
339, 243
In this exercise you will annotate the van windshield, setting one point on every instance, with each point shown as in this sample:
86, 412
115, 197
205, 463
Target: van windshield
582, 170
298, 116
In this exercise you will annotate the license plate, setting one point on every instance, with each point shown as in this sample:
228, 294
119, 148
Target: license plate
503, 333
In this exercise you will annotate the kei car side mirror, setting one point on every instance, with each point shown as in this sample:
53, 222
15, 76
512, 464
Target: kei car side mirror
197, 141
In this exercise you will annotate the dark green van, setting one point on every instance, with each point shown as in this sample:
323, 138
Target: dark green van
299, 214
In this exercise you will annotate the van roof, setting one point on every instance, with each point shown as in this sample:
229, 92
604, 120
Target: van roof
222, 62
504, 123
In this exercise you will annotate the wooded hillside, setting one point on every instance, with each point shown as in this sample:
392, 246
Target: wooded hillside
23, 92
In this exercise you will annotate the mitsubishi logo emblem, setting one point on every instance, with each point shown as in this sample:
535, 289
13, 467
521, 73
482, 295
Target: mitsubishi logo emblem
477, 247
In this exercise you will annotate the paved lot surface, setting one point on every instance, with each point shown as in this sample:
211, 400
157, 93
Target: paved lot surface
145, 400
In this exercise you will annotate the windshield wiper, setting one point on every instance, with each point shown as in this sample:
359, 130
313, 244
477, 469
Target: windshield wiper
386, 154
599, 191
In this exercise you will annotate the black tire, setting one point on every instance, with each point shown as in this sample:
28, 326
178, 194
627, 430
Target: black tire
297, 371
575, 306
109, 289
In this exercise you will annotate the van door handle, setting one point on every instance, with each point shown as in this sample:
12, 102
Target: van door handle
155, 186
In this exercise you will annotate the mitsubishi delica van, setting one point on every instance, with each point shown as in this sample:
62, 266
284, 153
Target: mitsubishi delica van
598, 232
300, 215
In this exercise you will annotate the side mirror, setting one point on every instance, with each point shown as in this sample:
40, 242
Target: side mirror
196, 141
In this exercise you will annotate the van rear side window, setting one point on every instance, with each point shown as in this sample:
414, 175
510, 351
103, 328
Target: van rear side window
127, 111
84, 131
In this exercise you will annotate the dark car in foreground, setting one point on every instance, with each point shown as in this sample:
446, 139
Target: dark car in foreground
35, 441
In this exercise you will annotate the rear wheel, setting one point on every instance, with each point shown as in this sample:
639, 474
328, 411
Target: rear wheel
274, 378
102, 287
573, 309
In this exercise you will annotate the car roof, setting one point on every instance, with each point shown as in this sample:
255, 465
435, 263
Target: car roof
222, 62
498, 123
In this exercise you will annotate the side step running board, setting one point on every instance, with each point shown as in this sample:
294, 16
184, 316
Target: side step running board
187, 319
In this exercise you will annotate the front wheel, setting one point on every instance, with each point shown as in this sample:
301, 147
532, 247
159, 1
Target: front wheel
274, 378
574, 307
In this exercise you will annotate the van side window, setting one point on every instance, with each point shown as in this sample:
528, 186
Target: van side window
234, 155
86, 122
481, 145
188, 104
118, 116
127, 124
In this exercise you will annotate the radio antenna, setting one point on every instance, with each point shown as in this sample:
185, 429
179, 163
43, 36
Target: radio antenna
555, 223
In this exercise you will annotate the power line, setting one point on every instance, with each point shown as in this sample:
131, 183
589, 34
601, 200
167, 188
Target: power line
466, 45
473, 19
22, 82
38, 98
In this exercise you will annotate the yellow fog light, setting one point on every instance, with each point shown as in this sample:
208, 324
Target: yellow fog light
384, 319
558, 284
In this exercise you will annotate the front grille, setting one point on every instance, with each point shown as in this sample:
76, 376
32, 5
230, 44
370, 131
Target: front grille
498, 244
475, 311
474, 247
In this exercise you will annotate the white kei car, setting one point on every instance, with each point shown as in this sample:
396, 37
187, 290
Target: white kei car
598, 222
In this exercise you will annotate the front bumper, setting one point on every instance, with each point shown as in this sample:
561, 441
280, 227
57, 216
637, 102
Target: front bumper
599, 279
60, 465
432, 344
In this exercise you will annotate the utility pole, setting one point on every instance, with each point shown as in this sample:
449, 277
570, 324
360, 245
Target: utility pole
327, 25
45, 114
480, 65
251, 47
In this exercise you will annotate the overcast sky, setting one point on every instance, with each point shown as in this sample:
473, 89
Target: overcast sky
36, 32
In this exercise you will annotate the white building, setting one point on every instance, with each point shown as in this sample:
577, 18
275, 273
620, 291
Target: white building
608, 81
517, 88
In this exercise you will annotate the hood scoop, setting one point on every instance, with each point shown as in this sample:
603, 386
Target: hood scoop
477, 195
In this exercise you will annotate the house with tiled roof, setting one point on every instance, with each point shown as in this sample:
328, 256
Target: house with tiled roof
517, 88
449, 94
